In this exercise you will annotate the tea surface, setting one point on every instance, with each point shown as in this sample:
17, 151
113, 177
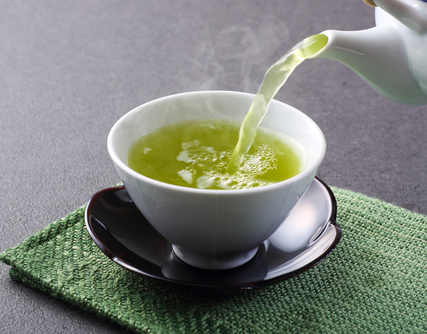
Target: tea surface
196, 154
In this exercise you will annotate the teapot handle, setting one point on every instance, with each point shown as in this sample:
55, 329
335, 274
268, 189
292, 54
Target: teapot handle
408, 12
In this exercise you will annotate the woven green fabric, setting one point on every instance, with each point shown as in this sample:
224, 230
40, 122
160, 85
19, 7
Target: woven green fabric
375, 281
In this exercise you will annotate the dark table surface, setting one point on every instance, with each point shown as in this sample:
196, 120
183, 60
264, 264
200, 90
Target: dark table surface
70, 69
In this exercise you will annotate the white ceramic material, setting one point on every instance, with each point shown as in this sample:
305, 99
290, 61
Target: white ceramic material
214, 229
391, 57
308, 234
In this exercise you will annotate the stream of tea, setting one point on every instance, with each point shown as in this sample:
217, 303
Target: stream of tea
204, 154
274, 79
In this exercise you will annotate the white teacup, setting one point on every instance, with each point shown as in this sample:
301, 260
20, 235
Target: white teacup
214, 229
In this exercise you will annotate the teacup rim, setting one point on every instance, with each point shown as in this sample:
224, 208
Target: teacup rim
228, 192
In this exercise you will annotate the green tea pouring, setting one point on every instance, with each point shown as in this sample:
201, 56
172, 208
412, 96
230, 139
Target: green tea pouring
222, 155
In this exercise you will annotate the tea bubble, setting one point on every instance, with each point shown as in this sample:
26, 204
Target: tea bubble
196, 154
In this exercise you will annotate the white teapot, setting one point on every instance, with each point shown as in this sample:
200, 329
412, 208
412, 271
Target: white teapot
391, 57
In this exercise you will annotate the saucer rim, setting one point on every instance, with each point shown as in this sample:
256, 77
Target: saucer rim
232, 286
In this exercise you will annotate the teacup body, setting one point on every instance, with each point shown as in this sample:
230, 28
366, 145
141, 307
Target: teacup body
214, 229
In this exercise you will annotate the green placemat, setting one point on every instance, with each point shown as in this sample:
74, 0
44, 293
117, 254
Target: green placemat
375, 281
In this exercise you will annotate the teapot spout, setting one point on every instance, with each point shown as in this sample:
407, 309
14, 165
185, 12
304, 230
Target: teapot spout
378, 56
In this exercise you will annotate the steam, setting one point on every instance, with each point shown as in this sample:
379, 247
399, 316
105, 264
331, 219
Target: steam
238, 57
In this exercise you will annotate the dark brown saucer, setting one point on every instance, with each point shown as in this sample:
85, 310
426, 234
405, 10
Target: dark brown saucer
305, 238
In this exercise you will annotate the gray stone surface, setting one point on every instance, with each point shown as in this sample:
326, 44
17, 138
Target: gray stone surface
70, 69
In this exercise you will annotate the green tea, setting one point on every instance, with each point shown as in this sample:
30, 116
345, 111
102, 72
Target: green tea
274, 78
225, 155
196, 154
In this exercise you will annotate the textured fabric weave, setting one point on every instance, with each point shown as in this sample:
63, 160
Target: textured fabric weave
375, 281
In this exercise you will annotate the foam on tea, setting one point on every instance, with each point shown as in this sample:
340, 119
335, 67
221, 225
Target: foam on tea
274, 78
196, 154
